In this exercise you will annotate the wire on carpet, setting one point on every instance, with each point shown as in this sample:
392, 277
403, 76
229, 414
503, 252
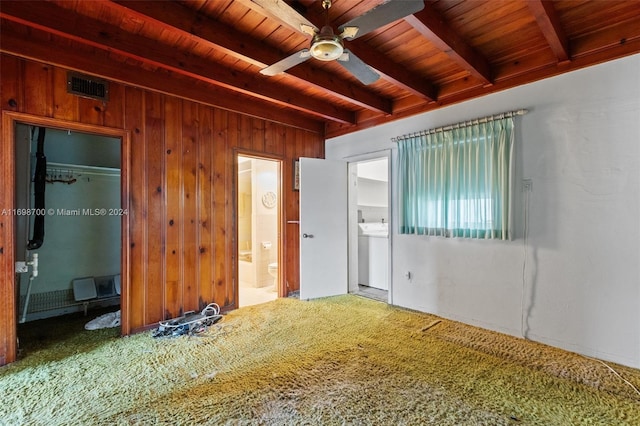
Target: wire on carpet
615, 373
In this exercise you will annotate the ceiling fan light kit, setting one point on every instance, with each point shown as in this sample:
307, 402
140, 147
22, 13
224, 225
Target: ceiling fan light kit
327, 46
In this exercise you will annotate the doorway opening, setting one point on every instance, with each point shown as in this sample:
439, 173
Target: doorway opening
258, 229
69, 185
369, 236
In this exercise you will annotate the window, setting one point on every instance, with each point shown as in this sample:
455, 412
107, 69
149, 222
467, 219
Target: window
458, 182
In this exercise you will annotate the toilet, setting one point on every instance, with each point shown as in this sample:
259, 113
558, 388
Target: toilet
272, 268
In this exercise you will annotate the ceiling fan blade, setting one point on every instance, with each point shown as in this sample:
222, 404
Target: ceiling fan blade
286, 63
380, 16
359, 69
286, 14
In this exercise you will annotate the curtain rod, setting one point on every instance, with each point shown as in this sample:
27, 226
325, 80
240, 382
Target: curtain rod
462, 124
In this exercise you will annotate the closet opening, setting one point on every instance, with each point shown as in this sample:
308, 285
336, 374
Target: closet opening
76, 232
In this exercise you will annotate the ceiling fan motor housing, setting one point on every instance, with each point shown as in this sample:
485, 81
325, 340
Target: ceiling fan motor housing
326, 46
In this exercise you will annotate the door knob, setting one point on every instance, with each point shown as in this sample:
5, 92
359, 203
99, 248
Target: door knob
307, 235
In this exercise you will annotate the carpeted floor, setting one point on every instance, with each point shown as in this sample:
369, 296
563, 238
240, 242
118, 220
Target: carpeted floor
344, 360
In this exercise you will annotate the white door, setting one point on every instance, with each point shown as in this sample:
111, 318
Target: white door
323, 228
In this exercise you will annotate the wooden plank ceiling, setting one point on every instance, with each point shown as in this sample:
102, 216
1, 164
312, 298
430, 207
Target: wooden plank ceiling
212, 51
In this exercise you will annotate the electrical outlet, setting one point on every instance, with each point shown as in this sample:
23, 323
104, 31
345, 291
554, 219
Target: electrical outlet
527, 185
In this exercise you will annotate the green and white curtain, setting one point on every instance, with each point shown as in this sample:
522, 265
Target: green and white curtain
458, 182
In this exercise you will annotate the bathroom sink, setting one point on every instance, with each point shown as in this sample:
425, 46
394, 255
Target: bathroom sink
378, 229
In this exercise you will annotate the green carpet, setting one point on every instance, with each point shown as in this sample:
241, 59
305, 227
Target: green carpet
343, 360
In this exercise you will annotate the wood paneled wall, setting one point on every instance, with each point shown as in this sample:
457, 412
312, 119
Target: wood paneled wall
181, 189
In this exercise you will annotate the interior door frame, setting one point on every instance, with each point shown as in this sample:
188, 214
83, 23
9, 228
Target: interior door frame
353, 226
8, 302
281, 217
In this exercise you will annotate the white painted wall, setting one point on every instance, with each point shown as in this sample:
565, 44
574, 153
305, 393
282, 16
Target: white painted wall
580, 290
265, 226
80, 148
74, 246
82, 245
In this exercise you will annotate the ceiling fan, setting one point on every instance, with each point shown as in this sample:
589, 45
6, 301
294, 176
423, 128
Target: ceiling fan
328, 46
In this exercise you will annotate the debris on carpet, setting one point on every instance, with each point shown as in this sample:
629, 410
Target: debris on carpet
190, 323
110, 320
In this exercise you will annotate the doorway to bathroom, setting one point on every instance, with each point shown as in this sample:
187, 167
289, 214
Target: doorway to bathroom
258, 229
369, 233
69, 184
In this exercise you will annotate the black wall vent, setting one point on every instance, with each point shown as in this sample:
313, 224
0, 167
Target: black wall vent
87, 86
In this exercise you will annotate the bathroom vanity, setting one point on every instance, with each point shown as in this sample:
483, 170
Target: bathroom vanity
373, 255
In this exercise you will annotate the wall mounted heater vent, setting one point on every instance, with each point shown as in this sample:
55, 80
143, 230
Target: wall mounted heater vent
87, 86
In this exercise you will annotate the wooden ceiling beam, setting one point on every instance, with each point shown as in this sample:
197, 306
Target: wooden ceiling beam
430, 23
394, 73
51, 18
279, 11
100, 64
176, 18
548, 21
450, 95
